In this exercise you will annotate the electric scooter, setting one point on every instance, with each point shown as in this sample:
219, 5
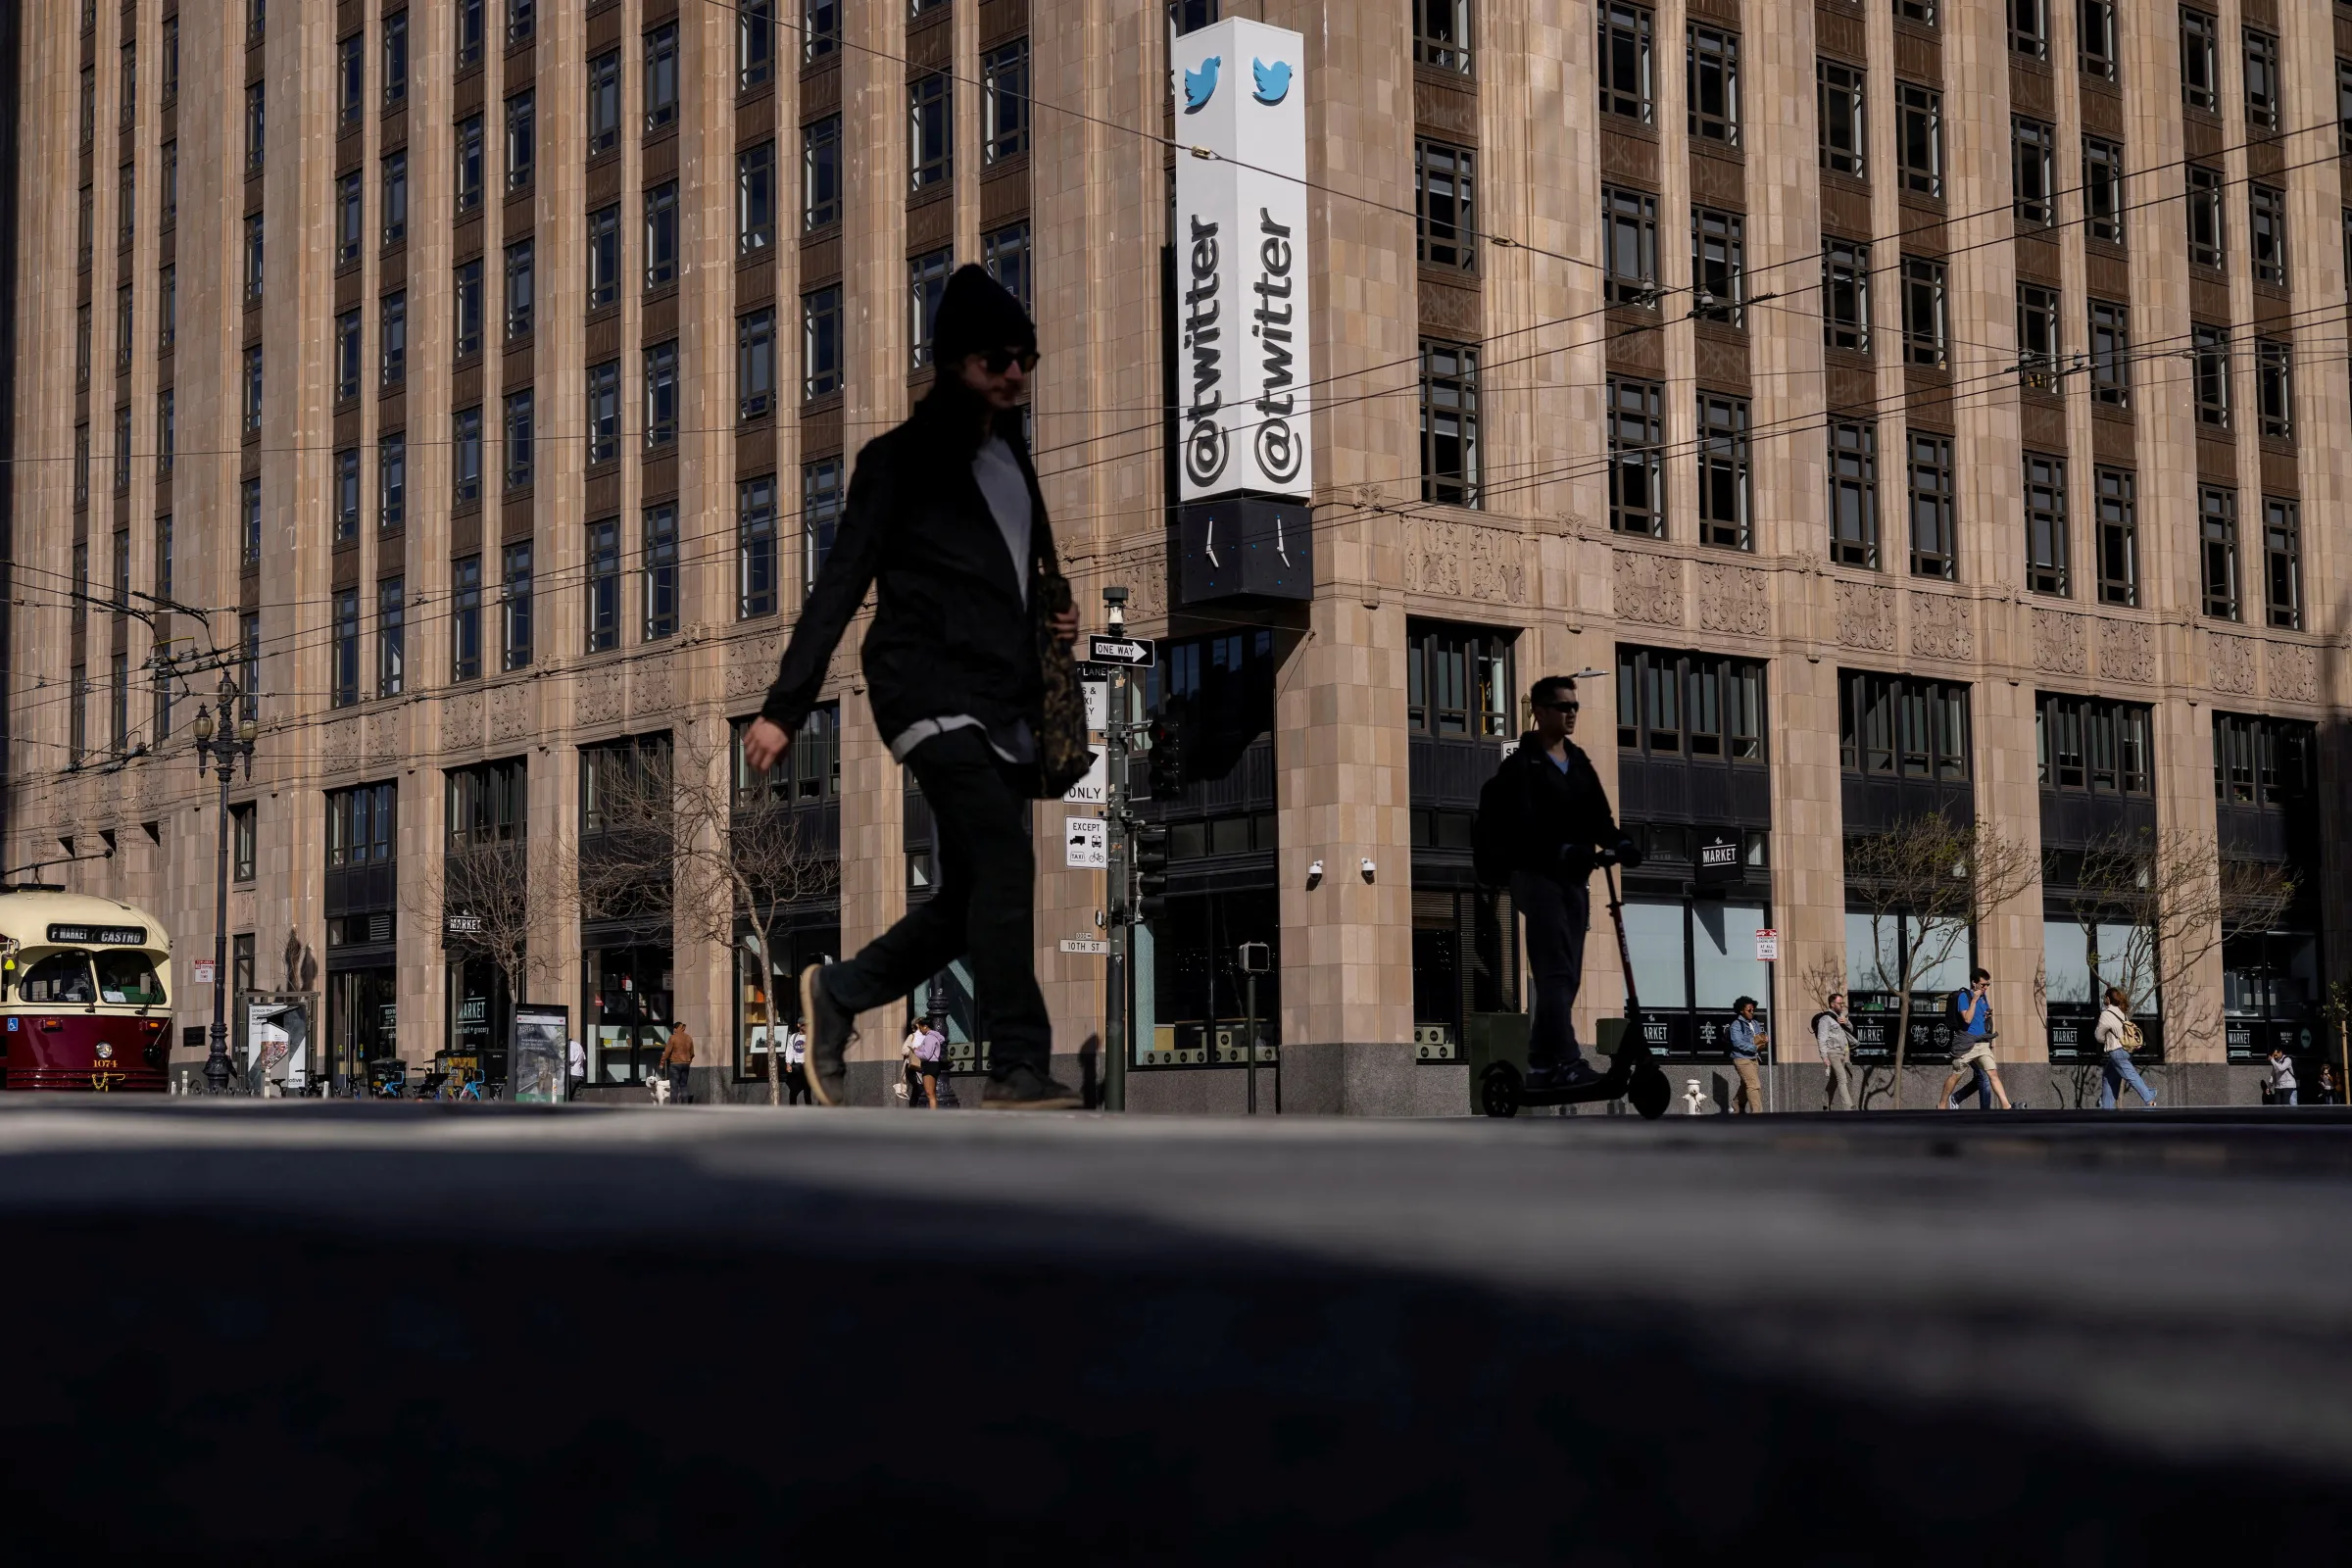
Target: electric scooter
1634, 1073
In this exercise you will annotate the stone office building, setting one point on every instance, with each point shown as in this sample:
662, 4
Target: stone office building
480, 380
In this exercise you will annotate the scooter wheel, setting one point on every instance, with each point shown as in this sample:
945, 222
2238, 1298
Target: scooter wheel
1650, 1094
1498, 1091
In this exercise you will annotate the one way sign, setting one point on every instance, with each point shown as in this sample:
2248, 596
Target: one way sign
1142, 652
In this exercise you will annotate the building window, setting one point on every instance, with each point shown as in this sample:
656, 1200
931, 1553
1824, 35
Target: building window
253, 258
470, 164
1458, 683
755, 198
347, 495
821, 499
1637, 457
522, 19
167, 186
467, 306
2200, 61
81, 348
662, 77
2083, 743
394, 334
467, 620
755, 548
253, 391
2116, 492
2217, 535
515, 607
2029, 28
1623, 63
487, 804
926, 286
2208, 239
662, 394
123, 449
2103, 189
604, 585
1450, 447
469, 33
931, 132
2045, 525
1902, 727
1004, 253
1924, 332
1854, 494
2095, 37
820, 25
117, 703
396, 56
391, 637
755, 364
603, 101
396, 198
242, 836
254, 141
2343, 106
2111, 354
2283, 561
1714, 85
166, 315
1445, 192
603, 413
392, 481
1441, 35
521, 456
122, 328
77, 715
166, 434
347, 220
660, 567
2275, 387
249, 521
466, 456
519, 290
2266, 229
1630, 246
2262, 81
1918, 138
603, 256
1845, 295
1718, 265
662, 235
1843, 109
347, 356
1935, 542
820, 341
1004, 102
249, 643
2032, 167
2209, 351
820, 173
1722, 465
755, 44
522, 141
344, 681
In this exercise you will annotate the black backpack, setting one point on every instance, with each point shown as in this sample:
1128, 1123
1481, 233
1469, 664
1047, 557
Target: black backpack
1495, 833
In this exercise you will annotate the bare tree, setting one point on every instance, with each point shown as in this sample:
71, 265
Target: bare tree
673, 833
1924, 883
2165, 902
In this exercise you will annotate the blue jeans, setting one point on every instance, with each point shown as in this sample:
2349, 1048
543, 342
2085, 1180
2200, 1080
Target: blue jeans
1979, 1086
2116, 1072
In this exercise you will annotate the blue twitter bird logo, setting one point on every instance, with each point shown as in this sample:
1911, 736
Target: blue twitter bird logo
1273, 81
1200, 85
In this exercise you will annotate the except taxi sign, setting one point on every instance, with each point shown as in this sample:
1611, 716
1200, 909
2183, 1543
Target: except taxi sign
1140, 652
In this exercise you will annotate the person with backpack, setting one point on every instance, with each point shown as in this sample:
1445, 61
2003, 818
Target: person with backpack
1973, 1036
1836, 1039
2278, 1081
2118, 1038
1541, 819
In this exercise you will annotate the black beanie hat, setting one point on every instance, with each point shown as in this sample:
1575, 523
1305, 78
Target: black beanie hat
976, 315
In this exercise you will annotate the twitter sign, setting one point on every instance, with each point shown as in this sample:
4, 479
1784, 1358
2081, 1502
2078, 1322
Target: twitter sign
1244, 366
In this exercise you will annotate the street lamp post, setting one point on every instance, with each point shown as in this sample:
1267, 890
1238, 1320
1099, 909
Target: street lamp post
218, 745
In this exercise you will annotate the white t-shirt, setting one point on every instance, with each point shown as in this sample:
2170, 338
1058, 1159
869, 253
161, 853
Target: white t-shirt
579, 1060
795, 1048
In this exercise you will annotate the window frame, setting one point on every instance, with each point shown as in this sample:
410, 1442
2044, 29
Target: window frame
1637, 404
1449, 392
1445, 205
2219, 569
1629, 220
1713, 89
1925, 293
1929, 453
2115, 508
1725, 456
1627, 48
1852, 464
2048, 541
1842, 93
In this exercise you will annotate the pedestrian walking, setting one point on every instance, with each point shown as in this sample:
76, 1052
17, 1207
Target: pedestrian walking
575, 1062
2118, 1037
911, 1063
1748, 1039
1540, 820
1972, 1038
946, 523
2280, 1082
677, 1059
1837, 1040
927, 1051
2329, 1092
796, 1065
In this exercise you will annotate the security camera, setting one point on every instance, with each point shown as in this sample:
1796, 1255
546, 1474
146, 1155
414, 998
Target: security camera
1314, 876
1368, 868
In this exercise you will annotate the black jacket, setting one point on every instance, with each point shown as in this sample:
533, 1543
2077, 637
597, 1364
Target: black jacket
1557, 810
952, 633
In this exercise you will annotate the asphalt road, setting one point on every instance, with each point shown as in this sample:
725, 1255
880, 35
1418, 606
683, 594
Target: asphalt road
303, 1332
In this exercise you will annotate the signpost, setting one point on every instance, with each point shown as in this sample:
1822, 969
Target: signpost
1768, 945
1086, 843
1134, 653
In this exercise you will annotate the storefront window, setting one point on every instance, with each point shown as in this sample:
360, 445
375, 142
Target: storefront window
2270, 993
629, 999
1695, 958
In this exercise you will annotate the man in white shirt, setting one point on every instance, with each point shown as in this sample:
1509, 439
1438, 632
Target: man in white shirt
796, 1065
1837, 1040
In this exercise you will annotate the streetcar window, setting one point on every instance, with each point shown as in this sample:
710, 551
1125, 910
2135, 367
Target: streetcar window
129, 978
60, 977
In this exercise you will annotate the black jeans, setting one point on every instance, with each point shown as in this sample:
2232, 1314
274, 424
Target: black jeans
1557, 915
677, 1080
984, 912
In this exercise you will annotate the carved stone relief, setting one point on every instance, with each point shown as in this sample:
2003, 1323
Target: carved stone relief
462, 723
511, 713
1732, 599
752, 665
2231, 660
1866, 616
1649, 588
2126, 650
2294, 674
339, 746
1463, 561
384, 737
1942, 626
600, 698
654, 693
2059, 646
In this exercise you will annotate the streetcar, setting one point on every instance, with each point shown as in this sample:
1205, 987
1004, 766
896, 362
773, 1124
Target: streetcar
85, 992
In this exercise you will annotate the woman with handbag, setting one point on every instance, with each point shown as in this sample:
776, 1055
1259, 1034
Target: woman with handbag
2118, 1037
969, 673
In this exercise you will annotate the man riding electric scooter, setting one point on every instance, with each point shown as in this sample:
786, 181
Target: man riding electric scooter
1544, 824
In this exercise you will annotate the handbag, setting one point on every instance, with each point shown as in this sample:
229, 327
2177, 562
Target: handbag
1063, 756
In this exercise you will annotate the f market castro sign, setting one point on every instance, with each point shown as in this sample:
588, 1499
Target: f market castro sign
1242, 360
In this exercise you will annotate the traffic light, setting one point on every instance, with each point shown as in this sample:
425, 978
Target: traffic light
1147, 849
1168, 775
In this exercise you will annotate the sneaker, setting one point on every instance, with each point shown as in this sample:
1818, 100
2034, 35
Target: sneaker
1563, 1075
830, 1031
1023, 1088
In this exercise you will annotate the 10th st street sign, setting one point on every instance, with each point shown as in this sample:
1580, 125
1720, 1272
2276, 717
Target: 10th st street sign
1140, 651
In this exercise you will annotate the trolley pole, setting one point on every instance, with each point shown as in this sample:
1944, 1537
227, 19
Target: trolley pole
1116, 882
219, 746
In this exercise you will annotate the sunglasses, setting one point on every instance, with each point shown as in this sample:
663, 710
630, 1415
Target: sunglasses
1562, 708
997, 361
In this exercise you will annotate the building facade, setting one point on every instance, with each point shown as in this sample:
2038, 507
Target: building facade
428, 366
